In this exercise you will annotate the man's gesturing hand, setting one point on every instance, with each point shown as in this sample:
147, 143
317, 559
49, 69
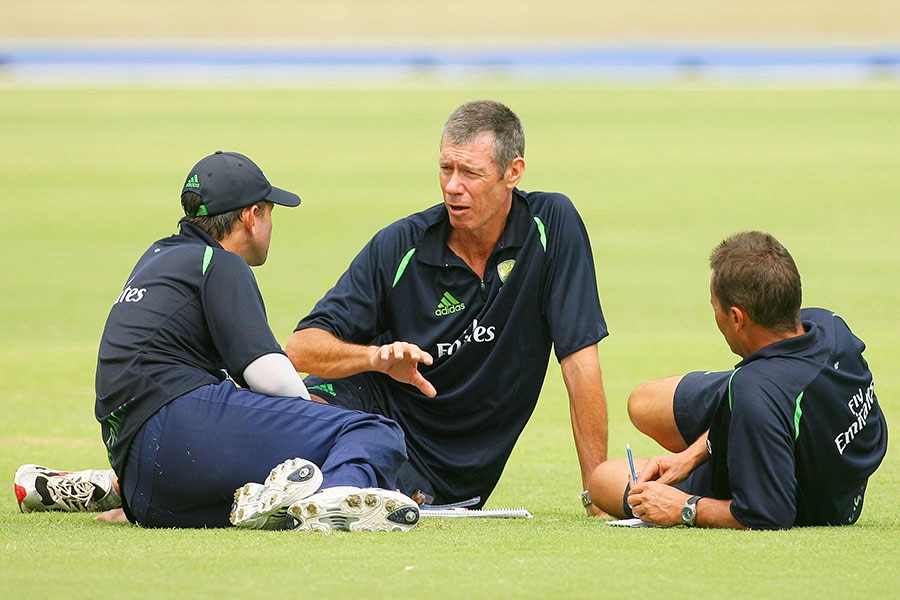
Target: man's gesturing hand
400, 360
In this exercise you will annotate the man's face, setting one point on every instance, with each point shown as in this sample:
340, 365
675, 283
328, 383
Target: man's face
476, 194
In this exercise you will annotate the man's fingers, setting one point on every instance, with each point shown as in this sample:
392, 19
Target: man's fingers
114, 515
400, 360
403, 350
424, 385
648, 471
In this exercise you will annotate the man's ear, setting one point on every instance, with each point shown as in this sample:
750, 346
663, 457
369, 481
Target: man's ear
514, 172
248, 217
738, 317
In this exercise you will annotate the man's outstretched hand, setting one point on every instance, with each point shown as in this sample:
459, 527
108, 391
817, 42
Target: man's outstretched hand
400, 360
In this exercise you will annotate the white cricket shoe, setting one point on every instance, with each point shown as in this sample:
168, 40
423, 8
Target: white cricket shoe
40, 489
348, 508
264, 505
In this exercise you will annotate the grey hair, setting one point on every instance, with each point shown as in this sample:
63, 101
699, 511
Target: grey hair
487, 116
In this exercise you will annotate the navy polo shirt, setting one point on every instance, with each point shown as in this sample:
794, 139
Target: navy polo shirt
799, 430
490, 338
190, 314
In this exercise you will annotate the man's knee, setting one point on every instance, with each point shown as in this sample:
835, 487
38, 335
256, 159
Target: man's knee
651, 404
394, 429
651, 408
638, 402
607, 486
377, 428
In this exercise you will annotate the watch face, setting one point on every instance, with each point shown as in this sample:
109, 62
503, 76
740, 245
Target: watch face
688, 514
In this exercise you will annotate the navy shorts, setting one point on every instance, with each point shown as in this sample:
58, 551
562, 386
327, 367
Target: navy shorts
189, 458
696, 397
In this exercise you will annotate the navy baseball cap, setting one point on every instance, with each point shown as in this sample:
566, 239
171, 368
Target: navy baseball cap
228, 181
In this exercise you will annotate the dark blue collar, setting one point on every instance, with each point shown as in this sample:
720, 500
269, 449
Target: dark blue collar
193, 233
433, 249
793, 346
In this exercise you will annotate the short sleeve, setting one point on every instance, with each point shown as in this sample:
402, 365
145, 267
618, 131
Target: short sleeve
572, 301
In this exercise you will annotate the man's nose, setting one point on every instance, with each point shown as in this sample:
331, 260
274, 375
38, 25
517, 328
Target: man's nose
453, 184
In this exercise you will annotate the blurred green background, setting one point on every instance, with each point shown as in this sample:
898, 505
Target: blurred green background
90, 175
660, 175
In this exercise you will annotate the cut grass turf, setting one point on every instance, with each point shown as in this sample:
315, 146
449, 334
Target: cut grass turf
88, 178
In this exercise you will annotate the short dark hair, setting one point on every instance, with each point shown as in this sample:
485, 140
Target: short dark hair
754, 271
487, 116
217, 226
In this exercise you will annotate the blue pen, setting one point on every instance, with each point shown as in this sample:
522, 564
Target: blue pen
631, 464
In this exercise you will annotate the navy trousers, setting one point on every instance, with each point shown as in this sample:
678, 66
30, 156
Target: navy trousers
191, 456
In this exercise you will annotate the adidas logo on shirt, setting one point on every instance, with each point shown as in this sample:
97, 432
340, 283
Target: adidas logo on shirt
448, 305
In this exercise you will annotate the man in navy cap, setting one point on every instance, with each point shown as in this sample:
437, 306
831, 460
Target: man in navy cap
198, 403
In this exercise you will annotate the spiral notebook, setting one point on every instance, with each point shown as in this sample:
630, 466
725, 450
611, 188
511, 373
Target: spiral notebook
475, 513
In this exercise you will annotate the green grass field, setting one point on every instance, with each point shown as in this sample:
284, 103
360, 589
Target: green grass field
88, 178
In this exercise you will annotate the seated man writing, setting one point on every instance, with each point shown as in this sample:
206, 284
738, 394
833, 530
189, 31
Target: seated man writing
789, 437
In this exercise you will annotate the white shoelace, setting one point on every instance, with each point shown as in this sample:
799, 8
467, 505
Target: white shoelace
74, 495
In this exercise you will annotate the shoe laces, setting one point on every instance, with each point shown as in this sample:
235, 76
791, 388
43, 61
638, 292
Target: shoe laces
73, 494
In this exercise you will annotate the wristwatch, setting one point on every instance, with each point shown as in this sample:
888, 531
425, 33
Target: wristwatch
585, 499
689, 511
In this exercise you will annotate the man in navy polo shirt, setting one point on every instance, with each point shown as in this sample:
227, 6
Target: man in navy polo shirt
191, 448
444, 322
789, 437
